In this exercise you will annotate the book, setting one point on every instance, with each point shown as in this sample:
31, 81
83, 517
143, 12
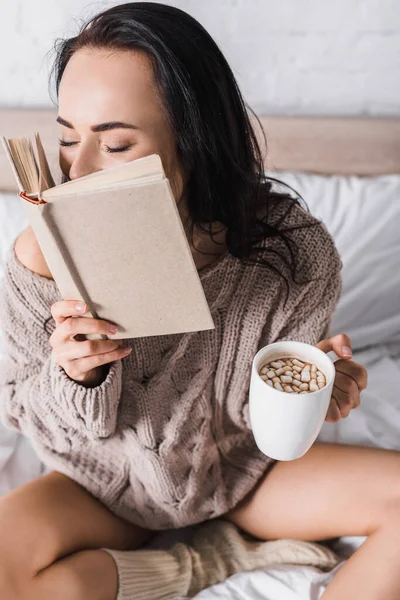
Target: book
115, 240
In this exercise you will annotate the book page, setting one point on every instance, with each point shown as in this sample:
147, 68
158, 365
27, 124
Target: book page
23, 160
45, 178
7, 150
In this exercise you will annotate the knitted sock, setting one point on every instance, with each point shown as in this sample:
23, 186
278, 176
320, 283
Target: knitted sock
152, 574
217, 550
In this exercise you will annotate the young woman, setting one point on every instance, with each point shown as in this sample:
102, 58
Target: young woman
158, 436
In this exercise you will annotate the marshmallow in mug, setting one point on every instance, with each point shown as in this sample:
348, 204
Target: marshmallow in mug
293, 376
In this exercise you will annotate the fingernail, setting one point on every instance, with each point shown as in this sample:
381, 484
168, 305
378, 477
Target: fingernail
127, 350
112, 328
346, 351
80, 306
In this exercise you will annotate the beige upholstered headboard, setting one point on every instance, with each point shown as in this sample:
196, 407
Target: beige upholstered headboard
325, 145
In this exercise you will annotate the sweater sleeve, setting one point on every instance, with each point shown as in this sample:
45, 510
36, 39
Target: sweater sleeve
36, 395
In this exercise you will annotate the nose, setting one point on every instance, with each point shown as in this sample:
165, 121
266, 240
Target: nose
82, 164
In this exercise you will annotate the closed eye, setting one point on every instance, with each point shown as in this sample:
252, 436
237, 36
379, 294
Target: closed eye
108, 149
63, 143
120, 149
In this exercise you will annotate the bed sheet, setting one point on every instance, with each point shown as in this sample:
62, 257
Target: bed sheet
278, 583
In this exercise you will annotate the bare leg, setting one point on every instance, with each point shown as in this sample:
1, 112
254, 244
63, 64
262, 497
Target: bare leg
80, 576
334, 491
52, 532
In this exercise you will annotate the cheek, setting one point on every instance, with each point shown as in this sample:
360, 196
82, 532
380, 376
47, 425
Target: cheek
176, 182
173, 171
169, 159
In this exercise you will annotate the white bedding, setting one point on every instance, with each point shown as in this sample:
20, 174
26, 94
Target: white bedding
278, 583
369, 311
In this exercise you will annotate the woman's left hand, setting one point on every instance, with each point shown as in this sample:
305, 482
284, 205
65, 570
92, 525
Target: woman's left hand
350, 379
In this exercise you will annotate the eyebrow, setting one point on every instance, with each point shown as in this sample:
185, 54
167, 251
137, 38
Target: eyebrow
101, 126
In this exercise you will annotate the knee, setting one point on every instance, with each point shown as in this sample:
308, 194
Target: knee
389, 518
28, 541
65, 583
21, 576
15, 572
384, 514
15, 565
10, 582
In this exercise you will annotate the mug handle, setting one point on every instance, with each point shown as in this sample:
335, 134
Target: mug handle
333, 356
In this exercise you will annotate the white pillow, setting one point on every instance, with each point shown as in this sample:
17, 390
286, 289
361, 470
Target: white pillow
363, 216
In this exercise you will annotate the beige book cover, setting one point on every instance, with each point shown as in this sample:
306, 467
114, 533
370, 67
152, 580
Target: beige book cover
115, 239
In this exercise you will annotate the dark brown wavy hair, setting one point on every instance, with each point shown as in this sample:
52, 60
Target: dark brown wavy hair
215, 139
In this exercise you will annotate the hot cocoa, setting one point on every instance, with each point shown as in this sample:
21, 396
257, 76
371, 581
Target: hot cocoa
293, 376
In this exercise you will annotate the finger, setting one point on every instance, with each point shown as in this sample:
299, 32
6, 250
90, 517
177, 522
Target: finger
333, 415
343, 406
67, 308
73, 350
347, 385
77, 368
344, 402
73, 326
340, 344
355, 371
347, 398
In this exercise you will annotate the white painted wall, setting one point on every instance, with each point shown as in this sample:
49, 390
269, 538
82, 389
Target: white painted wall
290, 56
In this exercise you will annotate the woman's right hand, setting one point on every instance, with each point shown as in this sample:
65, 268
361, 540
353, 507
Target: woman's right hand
83, 360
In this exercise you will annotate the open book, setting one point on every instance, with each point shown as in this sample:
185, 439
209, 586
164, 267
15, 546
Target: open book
115, 240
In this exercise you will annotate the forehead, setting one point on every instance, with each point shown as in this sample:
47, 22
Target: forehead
101, 85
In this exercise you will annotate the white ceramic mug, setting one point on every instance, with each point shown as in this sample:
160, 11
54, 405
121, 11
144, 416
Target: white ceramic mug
286, 425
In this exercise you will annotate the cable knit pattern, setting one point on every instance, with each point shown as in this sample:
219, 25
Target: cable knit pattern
165, 440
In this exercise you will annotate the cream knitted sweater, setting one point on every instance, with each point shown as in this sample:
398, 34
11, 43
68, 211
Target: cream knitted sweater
165, 440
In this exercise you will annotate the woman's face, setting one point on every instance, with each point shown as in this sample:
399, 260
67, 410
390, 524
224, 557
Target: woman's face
117, 88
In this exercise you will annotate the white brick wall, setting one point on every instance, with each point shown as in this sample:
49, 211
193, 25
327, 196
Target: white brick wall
289, 56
